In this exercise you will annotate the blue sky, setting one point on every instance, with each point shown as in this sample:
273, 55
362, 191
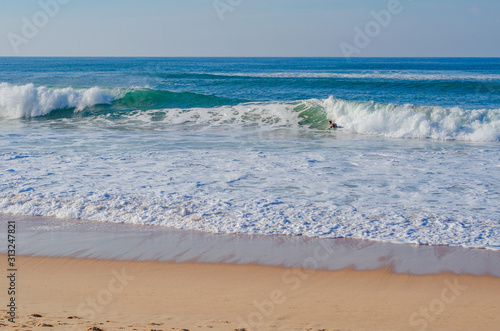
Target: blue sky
249, 28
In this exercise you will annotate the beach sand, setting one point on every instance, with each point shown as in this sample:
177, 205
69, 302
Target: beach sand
78, 294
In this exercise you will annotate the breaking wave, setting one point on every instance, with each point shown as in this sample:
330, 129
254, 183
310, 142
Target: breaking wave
409, 121
24, 101
174, 108
28, 101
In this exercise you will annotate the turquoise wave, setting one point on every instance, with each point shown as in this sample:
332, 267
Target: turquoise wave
133, 106
28, 101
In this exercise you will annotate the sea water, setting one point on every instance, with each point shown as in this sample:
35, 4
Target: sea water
242, 145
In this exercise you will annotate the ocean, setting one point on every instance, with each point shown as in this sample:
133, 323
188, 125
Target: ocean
242, 145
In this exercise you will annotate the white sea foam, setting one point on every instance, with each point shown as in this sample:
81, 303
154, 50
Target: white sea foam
429, 193
388, 120
408, 121
269, 114
263, 167
18, 101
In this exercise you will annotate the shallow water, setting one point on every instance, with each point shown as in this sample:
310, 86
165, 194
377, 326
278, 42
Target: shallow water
242, 146
42, 236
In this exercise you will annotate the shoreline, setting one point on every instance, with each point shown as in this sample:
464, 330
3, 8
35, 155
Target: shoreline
78, 293
49, 237
79, 275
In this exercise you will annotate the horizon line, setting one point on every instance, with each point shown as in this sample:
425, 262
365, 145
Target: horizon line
251, 57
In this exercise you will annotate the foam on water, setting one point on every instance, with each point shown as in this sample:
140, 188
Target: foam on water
234, 155
368, 118
223, 180
145, 105
18, 101
408, 121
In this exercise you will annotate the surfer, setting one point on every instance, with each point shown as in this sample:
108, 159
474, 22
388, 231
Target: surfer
333, 125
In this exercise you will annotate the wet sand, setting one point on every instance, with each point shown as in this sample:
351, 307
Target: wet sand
77, 294
42, 236
77, 275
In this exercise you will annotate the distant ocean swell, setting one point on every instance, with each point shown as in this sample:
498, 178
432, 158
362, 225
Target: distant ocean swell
385, 76
170, 108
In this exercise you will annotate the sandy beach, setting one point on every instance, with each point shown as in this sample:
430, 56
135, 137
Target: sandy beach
78, 294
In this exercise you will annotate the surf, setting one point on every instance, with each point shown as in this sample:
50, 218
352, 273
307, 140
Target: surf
30, 101
145, 105
25, 101
417, 122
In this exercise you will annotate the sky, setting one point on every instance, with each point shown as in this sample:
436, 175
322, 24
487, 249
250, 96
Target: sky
332, 28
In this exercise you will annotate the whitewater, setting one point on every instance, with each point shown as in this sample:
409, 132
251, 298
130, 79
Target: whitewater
243, 145
390, 120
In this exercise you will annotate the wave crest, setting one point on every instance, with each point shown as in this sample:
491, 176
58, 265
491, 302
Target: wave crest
173, 108
27, 101
24, 101
409, 121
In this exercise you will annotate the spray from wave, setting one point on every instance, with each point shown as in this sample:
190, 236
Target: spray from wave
29, 101
369, 118
409, 121
164, 108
